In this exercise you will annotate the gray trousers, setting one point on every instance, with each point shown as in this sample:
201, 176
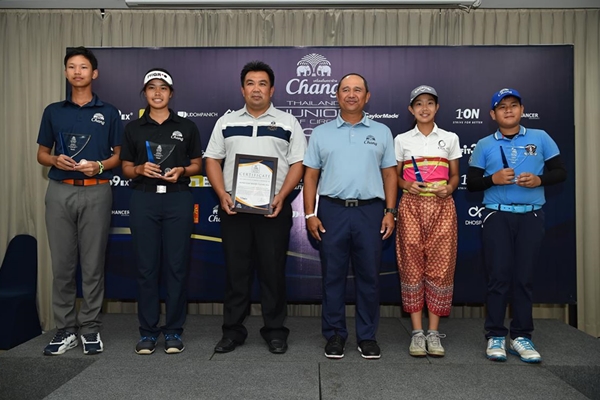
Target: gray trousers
77, 221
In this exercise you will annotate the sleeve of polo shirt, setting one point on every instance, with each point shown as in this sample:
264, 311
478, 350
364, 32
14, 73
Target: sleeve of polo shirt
195, 149
116, 129
216, 143
454, 147
297, 143
389, 157
399, 149
477, 159
127, 145
46, 134
550, 147
312, 159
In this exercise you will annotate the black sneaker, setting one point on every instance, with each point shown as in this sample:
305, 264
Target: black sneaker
62, 341
173, 343
335, 347
369, 349
146, 345
92, 344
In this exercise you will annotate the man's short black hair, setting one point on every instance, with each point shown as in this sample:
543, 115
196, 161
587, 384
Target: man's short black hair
82, 51
257, 66
356, 74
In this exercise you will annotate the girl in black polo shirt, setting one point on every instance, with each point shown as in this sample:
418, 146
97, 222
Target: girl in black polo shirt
160, 152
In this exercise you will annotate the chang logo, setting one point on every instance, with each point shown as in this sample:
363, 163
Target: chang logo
177, 136
214, 217
313, 65
98, 118
316, 67
371, 140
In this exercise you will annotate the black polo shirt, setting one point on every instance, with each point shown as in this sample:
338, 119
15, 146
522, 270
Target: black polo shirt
177, 131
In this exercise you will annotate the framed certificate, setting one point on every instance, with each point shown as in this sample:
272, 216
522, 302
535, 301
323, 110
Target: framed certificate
254, 179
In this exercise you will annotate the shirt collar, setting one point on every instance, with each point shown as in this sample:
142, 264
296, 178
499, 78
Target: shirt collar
499, 136
364, 121
435, 130
270, 112
147, 120
95, 102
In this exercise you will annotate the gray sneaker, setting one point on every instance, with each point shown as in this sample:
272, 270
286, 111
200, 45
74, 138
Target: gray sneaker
434, 344
418, 347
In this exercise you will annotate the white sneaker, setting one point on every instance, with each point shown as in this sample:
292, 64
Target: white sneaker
496, 349
523, 347
418, 348
62, 341
434, 344
92, 344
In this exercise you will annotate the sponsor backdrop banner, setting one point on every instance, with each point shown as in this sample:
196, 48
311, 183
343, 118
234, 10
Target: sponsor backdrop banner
207, 85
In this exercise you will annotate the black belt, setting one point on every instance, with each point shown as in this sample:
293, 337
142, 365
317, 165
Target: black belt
351, 202
172, 188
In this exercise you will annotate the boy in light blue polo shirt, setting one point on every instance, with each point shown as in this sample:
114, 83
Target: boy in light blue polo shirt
511, 166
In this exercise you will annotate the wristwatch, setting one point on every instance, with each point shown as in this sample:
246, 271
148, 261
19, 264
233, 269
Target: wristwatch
393, 211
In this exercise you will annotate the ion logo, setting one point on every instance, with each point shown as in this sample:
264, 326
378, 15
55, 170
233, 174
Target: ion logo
467, 113
467, 116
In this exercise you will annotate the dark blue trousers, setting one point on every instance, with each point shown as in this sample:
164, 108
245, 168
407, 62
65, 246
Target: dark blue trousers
352, 235
255, 241
161, 226
511, 247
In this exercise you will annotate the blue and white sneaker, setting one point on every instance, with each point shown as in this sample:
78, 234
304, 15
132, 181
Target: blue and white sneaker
62, 341
173, 343
523, 347
146, 345
496, 349
92, 344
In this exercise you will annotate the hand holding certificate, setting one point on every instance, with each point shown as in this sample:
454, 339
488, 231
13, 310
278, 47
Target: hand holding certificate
254, 179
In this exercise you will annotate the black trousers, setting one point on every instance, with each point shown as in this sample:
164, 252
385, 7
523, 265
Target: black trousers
161, 226
254, 241
511, 248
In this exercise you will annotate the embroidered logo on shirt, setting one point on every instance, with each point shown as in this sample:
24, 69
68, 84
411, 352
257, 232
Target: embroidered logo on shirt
177, 136
531, 150
370, 140
99, 118
273, 126
441, 145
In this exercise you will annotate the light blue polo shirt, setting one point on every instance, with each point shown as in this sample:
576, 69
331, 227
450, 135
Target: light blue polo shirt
351, 157
526, 152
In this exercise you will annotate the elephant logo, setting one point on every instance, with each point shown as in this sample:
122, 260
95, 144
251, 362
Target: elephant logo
303, 70
313, 65
324, 70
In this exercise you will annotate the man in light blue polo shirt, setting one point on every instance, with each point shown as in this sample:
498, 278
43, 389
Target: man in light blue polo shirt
511, 166
354, 159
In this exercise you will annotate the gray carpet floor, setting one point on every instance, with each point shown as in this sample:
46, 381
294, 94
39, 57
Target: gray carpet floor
570, 367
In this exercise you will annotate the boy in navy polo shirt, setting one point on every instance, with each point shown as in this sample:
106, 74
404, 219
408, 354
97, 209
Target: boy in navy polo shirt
80, 140
511, 166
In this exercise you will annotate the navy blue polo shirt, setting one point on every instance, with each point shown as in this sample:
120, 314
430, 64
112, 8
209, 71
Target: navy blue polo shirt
177, 131
101, 121
528, 151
